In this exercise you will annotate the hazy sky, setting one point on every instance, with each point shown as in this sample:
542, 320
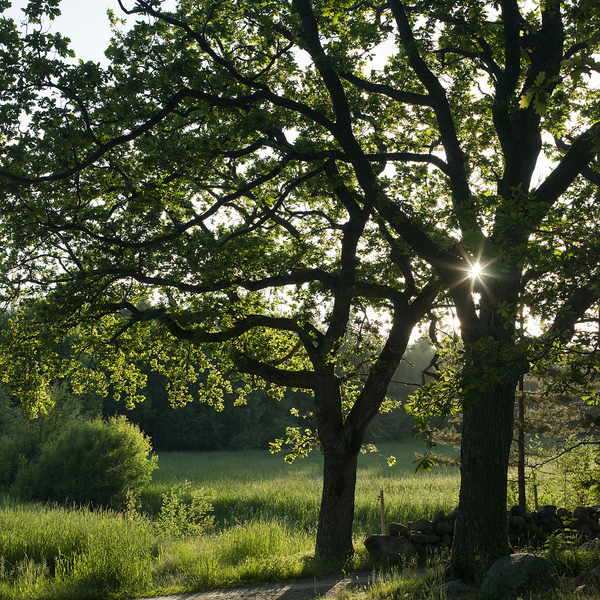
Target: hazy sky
83, 21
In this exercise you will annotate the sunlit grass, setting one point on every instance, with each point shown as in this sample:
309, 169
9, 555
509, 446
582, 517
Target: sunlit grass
56, 552
264, 529
251, 485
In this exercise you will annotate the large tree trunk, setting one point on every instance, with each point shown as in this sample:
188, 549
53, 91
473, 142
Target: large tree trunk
481, 533
341, 438
340, 452
334, 532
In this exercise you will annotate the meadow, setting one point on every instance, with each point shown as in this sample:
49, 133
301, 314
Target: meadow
261, 527
211, 520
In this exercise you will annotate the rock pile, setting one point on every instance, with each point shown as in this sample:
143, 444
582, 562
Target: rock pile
416, 537
532, 529
535, 527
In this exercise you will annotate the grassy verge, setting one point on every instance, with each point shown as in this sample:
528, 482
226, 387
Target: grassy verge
52, 552
262, 529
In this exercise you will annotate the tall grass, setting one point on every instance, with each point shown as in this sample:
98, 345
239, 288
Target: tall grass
53, 552
265, 516
252, 485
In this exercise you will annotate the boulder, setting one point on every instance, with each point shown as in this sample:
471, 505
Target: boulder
517, 573
581, 511
424, 525
590, 545
586, 582
594, 525
393, 549
397, 529
442, 528
552, 525
418, 537
440, 517
517, 511
563, 513
546, 513
517, 523
583, 530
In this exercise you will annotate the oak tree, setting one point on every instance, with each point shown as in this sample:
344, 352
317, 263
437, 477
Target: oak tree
269, 175
153, 222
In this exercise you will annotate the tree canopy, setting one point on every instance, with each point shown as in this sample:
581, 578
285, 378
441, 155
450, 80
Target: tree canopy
291, 184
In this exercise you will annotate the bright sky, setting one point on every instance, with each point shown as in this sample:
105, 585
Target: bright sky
83, 21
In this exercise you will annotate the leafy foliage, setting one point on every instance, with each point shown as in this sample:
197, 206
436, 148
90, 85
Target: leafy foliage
23, 438
184, 511
91, 462
243, 175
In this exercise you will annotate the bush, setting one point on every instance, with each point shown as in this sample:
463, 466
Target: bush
90, 462
184, 512
24, 437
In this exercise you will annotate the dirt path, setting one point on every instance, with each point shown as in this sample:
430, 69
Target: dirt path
299, 589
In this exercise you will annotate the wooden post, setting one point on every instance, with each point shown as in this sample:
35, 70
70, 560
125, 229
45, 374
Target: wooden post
521, 438
382, 506
521, 447
535, 498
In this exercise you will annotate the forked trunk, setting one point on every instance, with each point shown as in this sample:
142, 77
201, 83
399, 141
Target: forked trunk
341, 438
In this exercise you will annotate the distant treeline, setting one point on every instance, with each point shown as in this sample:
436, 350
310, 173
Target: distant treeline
199, 427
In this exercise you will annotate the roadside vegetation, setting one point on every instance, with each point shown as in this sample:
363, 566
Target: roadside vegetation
207, 520
222, 519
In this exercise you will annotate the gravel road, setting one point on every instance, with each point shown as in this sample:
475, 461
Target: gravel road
299, 589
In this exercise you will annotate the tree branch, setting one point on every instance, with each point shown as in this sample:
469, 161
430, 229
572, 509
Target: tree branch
167, 109
461, 191
582, 151
411, 98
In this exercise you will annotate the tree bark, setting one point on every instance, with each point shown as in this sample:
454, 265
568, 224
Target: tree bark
334, 532
481, 533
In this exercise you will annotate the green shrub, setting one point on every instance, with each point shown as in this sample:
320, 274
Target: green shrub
91, 462
24, 437
184, 512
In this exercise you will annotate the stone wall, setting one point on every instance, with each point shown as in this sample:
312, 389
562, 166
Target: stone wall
525, 529
535, 527
416, 537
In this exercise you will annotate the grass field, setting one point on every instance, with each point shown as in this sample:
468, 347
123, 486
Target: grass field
255, 485
261, 527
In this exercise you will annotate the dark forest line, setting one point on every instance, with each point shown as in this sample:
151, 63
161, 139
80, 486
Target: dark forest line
198, 427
